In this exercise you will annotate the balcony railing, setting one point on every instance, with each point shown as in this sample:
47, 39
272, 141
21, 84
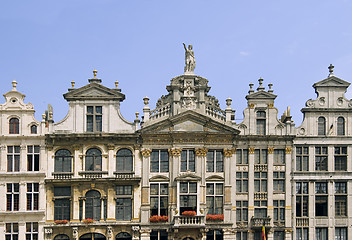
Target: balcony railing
302, 222
260, 196
260, 222
62, 175
93, 174
260, 167
125, 175
189, 221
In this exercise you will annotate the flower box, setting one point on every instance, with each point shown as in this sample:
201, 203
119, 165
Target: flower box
88, 220
61, 221
219, 217
156, 218
189, 213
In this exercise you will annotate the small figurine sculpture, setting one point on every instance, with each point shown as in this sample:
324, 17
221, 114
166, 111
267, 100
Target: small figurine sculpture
190, 59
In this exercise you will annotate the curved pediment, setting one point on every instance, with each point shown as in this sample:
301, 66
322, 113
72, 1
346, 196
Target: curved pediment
188, 176
159, 178
215, 178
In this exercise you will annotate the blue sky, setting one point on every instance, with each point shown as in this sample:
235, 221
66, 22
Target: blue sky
45, 45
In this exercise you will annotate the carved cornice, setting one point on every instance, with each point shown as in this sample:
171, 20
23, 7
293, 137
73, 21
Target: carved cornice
270, 150
146, 152
201, 152
251, 150
228, 152
288, 150
175, 152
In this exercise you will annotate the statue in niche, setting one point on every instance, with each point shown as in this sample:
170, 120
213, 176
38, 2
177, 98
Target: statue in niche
190, 59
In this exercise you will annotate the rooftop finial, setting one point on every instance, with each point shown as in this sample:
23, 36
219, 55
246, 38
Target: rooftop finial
331, 70
270, 85
95, 73
14, 84
260, 88
116, 83
73, 84
251, 88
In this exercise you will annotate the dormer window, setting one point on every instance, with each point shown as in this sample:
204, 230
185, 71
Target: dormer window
94, 118
34, 129
321, 126
261, 123
340, 126
14, 126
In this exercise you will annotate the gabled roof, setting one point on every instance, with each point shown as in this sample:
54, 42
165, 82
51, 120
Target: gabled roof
332, 81
189, 121
261, 95
94, 91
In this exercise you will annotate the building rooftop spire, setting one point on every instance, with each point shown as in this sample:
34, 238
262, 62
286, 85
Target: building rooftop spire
331, 70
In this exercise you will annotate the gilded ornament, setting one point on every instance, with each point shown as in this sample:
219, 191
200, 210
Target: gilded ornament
270, 150
251, 105
288, 150
229, 151
251, 150
146, 152
201, 152
270, 105
175, 151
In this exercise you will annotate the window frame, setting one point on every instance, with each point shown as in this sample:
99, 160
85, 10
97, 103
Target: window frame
62, 203
261, 122
340, 126
242, 211
96, 124
11, 230
217, 198
12, 197
157, 163
14, 125
279, 182
187, 163
97, 160
62, 160
32, 230
33, 158
321, 126
341, 206
340, 158
124, 193
160, 197
321, 158
32, 197
124, 161
321, 199
302, 158
215, 161
95, 214
242, 182
242, 156
13, 158
185, 197
302, 199
279, 211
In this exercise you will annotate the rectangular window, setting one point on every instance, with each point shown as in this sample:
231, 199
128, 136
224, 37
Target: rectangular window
261, 123
321, 233
11, 231
158, 235
31, 231
302, 234
260, 209
279, 235
321, 158
159, 199
302, 159
94, 118
215, 161
341, 233
32, 196
13, 158
33, 158
12, 196
302, 196
241, 182
215, 198
242, 156
159, 161
242, 211
62, 203
340, 199
260, 156
279, 156
124, 203
260, 181
279, 211
340, 158
188, 161
188, 196
279, 181
321, 199
241, 236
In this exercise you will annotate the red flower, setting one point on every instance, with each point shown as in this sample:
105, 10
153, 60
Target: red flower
88, 220
61, 221
189, 213
215, 217
156, 218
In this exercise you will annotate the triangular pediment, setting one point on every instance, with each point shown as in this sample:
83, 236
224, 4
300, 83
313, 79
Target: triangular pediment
332, 82
159, 178
214, 178
94, 91
189, 121
261, 95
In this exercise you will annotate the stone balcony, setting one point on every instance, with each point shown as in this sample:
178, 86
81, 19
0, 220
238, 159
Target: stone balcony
302, 222
93, 174
189, 221
260, 222
62, 175
125, 175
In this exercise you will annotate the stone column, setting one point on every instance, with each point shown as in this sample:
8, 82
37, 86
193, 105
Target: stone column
50, 203
251, 184
75, 202
228, 152
201, 154
102, 208
288, 234
23, 159
331, 208
83, 207
23, 196
3, 158
288, 189
145, 206
145, 234
77, 163
175, 154
111, 160
111, 204
270, 184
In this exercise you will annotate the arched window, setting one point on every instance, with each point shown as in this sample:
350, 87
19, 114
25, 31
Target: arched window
340, 126
321, 126
93, 205
93, 160
63, 161
261, 123
123, 236
34, 129
14, 126
61, 237
124, 160
92, 236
